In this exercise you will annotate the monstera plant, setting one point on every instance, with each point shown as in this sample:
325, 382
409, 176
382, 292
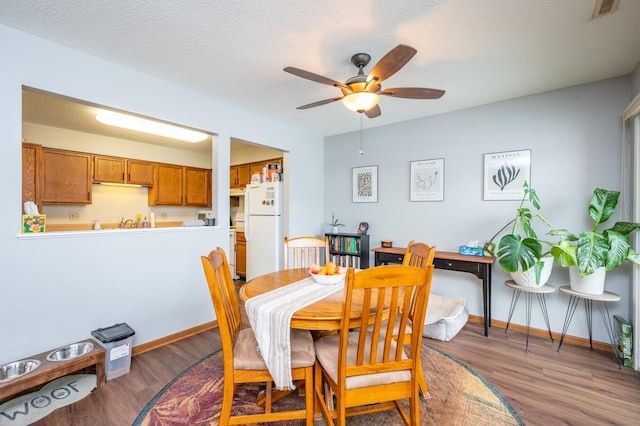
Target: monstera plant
521, 250
593, 249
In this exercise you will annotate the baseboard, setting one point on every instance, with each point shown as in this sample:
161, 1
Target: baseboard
137, 350
543, 333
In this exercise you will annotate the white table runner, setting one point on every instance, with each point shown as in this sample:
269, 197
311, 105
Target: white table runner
270, 318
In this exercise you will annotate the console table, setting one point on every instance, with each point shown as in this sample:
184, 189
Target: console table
480, 266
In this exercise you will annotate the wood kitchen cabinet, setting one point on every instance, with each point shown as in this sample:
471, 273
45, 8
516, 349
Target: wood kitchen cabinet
180, 186
66, 177
241, 254
197, 187
32, 174
239, 176
122, 170
140, 172
168, 187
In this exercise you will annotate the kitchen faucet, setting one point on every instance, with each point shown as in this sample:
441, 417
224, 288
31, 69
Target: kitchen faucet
123, 223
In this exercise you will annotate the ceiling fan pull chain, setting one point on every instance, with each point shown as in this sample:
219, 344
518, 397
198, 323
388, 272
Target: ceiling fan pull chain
361, 151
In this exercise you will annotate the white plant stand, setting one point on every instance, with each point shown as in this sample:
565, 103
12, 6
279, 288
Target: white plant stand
601, 301
540, 292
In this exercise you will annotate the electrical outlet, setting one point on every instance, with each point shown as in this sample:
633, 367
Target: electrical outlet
163, 215
74, 216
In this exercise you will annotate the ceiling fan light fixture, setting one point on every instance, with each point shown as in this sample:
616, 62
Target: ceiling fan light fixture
361, 101
139, 124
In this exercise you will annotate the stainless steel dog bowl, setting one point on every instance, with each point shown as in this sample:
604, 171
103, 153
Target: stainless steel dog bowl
70, 351
17, 368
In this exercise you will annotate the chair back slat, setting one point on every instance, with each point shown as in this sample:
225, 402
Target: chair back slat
223, 297
383, 299
302, 252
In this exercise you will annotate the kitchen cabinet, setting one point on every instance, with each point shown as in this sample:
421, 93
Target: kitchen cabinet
168, 187
197, 187
241, 254
32, 174
140, 172
66, 177
180, 186
122, 170
239, 175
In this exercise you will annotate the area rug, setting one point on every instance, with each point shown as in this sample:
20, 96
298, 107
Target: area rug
29, 408
457, 396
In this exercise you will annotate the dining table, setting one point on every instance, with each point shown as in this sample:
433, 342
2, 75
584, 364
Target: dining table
321, 316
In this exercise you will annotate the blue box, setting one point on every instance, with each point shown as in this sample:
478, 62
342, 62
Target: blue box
471, 251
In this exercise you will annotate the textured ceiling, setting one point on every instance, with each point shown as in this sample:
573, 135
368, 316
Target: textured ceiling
478, 51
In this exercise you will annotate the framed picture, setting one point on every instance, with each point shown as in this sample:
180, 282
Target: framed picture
365, 184
504, 174
427, 180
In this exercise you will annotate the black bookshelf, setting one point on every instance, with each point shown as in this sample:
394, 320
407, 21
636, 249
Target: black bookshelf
351, 250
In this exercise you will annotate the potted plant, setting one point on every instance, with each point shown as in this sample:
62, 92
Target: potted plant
520, 252
594, 252
335, 223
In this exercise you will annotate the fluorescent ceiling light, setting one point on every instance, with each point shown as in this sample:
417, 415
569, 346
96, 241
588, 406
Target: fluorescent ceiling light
149, 126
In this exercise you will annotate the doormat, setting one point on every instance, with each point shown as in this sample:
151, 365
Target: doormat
26, 409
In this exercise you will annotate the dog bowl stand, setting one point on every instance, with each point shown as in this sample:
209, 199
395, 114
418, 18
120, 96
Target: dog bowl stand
50, 370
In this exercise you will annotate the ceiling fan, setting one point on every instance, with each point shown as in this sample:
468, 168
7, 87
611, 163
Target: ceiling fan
362, 92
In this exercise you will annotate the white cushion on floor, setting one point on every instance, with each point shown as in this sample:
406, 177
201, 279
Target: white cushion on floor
445, 317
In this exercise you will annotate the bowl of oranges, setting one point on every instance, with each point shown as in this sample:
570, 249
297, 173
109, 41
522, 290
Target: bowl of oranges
330, 273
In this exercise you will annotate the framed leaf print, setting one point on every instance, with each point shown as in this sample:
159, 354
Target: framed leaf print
505, 173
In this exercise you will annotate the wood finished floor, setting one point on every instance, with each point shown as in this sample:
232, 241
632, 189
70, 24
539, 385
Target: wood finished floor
576, 386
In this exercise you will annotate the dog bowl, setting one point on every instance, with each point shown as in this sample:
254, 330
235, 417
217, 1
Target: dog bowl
17, 369
70, 351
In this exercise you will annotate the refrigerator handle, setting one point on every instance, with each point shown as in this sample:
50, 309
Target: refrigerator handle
246, 214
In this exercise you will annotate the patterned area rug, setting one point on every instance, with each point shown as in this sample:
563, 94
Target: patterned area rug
457, 396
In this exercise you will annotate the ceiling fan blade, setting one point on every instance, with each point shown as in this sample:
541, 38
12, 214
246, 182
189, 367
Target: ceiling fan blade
373, 112
323, 102
390, 63
413, 93
313, 77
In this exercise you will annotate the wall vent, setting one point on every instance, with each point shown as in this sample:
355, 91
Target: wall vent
604, 7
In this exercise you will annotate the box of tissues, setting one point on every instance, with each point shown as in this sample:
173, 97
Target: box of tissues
33, 223
472, 249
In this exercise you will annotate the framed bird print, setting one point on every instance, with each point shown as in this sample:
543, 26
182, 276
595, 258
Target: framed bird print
427, 180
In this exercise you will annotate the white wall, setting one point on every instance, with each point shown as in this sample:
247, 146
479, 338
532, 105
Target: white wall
55, 290
574, 136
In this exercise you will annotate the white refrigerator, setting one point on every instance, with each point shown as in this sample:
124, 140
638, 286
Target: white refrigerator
263, 228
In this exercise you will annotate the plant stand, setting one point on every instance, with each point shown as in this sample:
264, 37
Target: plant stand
540, 292
601, 301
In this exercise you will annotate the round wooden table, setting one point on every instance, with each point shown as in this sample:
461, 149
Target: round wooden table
322, 315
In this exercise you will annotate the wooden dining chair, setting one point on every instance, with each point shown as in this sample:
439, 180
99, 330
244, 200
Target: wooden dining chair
418, 255
364, 367
242, 361
302, 252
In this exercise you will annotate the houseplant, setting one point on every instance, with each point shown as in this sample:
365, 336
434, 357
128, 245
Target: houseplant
594, 252
335, 223
520, 252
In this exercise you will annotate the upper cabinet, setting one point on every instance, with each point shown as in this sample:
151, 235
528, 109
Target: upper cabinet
67, 177
240, 174
180, 186
197, 187
31, 175
167, 190
122, 170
